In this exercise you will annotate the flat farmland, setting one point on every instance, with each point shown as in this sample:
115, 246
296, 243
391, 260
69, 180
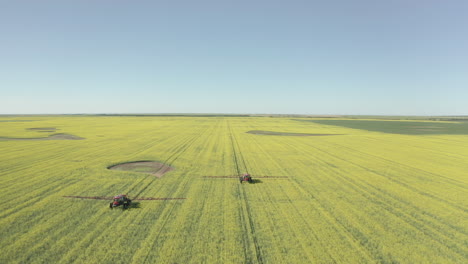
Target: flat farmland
324, 191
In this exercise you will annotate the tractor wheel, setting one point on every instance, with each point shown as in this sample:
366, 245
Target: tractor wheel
110, 206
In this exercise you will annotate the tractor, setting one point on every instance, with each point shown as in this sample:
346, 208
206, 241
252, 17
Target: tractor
246, 177
120, 199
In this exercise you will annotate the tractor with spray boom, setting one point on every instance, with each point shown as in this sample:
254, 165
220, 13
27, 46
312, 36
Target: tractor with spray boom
245, 178
120, 200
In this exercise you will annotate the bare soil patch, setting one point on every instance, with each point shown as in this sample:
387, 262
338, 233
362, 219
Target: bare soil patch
273, 133
51, 137
151, 167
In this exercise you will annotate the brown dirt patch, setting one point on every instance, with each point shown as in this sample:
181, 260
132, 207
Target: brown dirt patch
273, 133
51, 137
151, 167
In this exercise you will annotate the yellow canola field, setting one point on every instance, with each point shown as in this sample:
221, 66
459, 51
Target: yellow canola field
357, 197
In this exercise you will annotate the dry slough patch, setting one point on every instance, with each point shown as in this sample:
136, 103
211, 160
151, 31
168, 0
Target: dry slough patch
57, 136
60, 136
152, 167
273, 133
42, 129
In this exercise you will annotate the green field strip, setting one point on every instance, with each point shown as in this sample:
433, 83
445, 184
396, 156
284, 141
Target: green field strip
400, 127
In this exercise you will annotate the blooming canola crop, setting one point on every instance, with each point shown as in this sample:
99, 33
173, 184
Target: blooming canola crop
358, 196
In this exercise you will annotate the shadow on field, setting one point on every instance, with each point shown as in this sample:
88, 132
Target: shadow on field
135, 205
256, 181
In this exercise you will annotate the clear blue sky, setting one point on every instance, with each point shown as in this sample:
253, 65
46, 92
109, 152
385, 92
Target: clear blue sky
400, 57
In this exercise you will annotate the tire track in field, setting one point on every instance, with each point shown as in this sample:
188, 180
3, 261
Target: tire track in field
36, 193
378, 193
156, 241
40, 219
167, 213
394, 180
355, 241
165, 209
35, 199
451, 139
103, 229
384, 201
448, 180
374, 192
46, 165
245, 207
436, 235
136, 184
196, 219
411, 142
403, 184
361, 245
96, 232
151, 143
432, 227
241, 212
176, 153
320, 210
93, 226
